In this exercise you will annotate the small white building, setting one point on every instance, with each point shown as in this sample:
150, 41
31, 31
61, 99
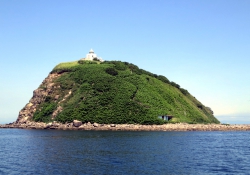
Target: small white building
91, 55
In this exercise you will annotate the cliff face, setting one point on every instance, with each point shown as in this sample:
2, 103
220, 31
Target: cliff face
111, 92
39, 95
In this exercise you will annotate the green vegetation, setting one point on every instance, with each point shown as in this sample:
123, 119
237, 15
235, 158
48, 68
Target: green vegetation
86, 62
119, 92
45, 112
111, 71
67, 65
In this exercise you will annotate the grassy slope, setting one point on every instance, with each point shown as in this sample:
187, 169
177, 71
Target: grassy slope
131, 96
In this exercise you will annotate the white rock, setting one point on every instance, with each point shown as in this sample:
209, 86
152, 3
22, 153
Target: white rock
95, 124
77, 123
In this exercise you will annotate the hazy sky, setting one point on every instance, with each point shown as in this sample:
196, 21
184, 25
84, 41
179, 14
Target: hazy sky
203, 45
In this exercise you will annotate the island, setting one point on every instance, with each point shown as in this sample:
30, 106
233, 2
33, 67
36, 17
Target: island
93, 94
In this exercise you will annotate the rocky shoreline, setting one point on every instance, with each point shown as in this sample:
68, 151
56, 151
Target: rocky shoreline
78, 125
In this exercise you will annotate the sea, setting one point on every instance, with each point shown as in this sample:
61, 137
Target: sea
122, 152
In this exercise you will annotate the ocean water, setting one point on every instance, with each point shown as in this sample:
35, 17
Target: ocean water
107, 152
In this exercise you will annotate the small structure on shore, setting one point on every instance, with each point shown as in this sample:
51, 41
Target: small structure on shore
91, 56
165, 117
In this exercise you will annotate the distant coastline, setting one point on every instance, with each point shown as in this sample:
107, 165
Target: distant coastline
129, 127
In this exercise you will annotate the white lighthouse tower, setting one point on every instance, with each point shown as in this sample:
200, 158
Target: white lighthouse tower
91, 55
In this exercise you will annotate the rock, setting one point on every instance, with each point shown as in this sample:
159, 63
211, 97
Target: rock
56, 124
95, 124
56, 97
38, 97
112, 125
63, 127
29, 105
24, 119
48, 126
77, 123
57, 111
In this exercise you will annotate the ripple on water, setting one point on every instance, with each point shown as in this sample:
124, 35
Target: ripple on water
104, 152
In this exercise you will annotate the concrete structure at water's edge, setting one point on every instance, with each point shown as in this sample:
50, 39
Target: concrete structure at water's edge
92, 56
165, 117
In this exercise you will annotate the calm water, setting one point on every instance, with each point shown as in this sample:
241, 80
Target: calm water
98, 152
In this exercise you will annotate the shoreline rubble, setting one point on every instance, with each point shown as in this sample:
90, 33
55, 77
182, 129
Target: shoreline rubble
75, 125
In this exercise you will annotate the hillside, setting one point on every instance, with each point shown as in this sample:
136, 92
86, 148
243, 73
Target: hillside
111, 92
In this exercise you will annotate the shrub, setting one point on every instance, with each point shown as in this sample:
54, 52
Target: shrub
81, 61
134, 69
106, 62
61, 70
200, 106
163, 79
175, 85
86, 62
119, 65
96, 59
111, 71
43, 114
184, 91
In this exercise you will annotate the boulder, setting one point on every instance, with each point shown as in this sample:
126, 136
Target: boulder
95, 124
48, 126
56, 97
77, 123
112, 125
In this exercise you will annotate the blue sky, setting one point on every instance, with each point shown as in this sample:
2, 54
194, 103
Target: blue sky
203, 45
